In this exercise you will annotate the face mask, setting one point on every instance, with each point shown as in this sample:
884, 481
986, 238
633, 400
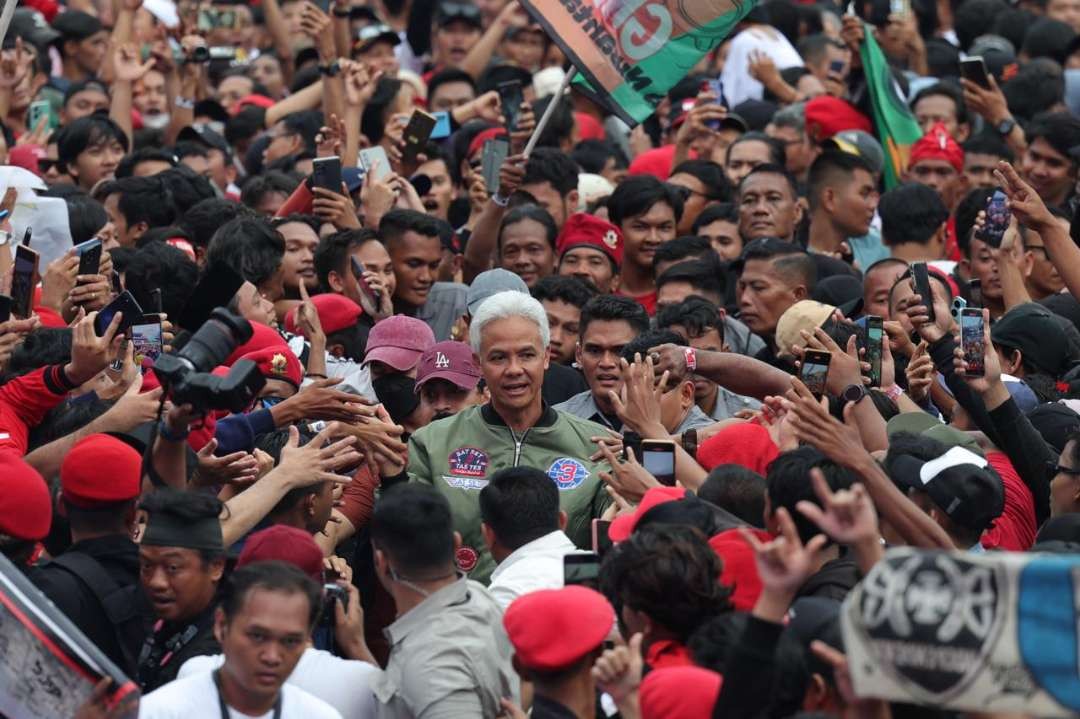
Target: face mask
156, 122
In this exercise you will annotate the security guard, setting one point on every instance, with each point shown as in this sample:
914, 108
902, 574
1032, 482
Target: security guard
509, 334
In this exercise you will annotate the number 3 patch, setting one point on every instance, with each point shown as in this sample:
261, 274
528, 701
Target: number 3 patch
567, 473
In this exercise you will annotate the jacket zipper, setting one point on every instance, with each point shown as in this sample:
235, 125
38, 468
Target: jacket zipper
518, 443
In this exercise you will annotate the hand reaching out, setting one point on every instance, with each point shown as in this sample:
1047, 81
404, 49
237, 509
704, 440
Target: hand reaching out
628, 478
331, 137
847, 516
1025, 204
638, 403
920, 373
127, 63
784, 564
14, 64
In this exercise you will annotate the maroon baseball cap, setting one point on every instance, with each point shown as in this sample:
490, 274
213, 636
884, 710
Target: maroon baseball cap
451, 361
399, 341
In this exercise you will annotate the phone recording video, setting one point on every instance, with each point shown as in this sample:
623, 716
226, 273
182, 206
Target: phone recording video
146, 338
582, 568
814, 371
971, 341
658, 459
23, 279
875, 336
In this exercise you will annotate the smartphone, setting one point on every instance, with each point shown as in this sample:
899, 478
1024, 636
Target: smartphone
23, 279
601, 542
416, 134
581, 568
146, 337
37, 111
836, 67
89, 253
5, 308
216, 288
495, 154
631, 441
975, 298
716, 87
124, 303
27, 236
971, 341
815, 371
442, 125
4, 214
326, 173
875, 336
155, 297
361, 281
998, 218
374, 160
510, 98
658, 459
117, 286
920, 284
973, 69
332, 592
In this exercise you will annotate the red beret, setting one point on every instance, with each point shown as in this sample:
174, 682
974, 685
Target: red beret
937, 145
584, 230
588, 127
262, 336
623, 525
277, 363
257, 100
25, 505
826, 116
739, 566
747, 444
679, 693
336, 312
286, 544
483, 136
100, 469
577, 618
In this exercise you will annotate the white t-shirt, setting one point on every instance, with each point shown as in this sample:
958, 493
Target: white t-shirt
738, 84
344, 684
196, 696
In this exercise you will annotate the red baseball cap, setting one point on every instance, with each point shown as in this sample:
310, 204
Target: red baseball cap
623, 525
483, 136
739, 566
679, 693
399, 341
25, 504
257, 100
826, 116
100, 469
656, 162
451, 361
747, 444
277, 363
286, 544
585, 230
937, 144
26, 157
336, 312
580, 618
261, 336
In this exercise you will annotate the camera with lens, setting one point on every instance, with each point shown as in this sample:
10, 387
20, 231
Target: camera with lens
186, 374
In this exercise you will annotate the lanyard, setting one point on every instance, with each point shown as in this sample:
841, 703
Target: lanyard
224, 707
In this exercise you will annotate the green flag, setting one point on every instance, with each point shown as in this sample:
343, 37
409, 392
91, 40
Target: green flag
896, 126
629, 53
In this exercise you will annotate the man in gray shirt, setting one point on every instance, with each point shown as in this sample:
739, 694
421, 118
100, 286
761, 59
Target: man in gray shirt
449, 654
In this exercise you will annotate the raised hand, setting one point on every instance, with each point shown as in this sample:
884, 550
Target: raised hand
847, 516
127, 64
628, 478
784, 564
236, 467
14, 64
1025, 204
637, 404
920, 373
89, 353
618, 670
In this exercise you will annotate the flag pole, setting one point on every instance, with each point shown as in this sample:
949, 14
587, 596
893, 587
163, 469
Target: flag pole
549, 111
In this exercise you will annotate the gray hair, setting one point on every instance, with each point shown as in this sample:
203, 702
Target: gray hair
793, 116
503, 305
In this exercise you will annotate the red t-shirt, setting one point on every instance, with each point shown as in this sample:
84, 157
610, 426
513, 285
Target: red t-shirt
1015, 529
648, 301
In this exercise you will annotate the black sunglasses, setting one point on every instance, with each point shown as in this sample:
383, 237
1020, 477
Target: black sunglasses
44, 165
1054, 468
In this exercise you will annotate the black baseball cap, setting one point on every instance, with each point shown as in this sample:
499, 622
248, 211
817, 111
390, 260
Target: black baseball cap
76, 25
449, 10
30, 25
1036, 332
964, 486
204, 136
371, 34
1055, 422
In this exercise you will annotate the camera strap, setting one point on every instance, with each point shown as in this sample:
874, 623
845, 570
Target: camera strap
148, 457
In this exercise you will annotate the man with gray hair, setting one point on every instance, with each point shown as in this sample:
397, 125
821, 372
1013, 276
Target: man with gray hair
509, 336
788, 126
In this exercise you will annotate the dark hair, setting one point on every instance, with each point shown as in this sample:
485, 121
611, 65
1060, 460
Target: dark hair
272, 443
373, 122
1050, 38
944, 89
187, 148
725, 211
250, 247
413, 525
592, 155
161, 266
974, 18
905, 277
257, 187
711, 175
651, 338
549, 165
305, 124
695, 314
770, 168
184, 507
1061, 130
669, 573
828, 169
967, 210
520, 504
942, 58
637, 194
76, 87
570, 290
613, 308
987, 143
911, 212
703, 276
126, 166
447, 76
813, 48
188, 188
529, 212
74, 138
40, 348
560, 126
244, 125
86, 217
789, 259
332, 250
296, 218
1035, 88
271, 576
737, 489
203, 220
683, 248
142, 199
788, 483
396, 223
777, 152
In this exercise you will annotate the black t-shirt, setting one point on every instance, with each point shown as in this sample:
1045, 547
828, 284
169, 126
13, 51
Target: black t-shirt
561, 383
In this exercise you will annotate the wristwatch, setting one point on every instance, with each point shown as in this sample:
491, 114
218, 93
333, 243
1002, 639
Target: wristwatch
330, 70
853, 393
689, 442
342, 12
1005, 126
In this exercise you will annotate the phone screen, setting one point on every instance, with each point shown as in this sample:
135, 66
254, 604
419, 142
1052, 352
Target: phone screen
971, 341
998, 218
22, 282
375, 161
442, 126
491, 162
815, 371
583, 568
658, 459
601, 542
875, 335
147, 342
510, 98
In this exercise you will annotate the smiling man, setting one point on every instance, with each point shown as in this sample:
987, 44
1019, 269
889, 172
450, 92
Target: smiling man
509, 337
647, 213
1047, 164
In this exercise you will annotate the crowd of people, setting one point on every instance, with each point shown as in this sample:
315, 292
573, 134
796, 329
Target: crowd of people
608, 427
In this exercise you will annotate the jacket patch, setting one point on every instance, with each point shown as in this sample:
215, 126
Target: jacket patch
567, 473
466, 558
465, 482
469, 461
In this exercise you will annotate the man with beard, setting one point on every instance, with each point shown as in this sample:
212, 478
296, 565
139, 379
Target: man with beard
448, 379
